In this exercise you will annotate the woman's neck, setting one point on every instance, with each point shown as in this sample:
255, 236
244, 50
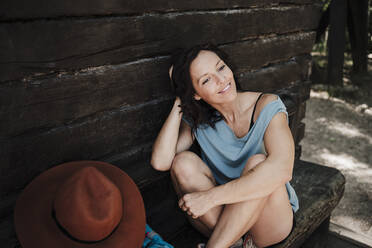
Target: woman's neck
231, 111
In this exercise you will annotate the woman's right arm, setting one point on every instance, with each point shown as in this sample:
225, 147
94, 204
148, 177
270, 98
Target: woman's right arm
174, 137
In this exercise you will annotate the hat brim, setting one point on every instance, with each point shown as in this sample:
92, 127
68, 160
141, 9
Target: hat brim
35, 226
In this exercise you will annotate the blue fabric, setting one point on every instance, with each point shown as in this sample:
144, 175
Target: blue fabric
153, 240
226, 155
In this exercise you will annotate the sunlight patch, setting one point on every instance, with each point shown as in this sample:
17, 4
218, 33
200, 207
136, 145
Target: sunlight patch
321, 120
343, 161
349, 130
364, 176
319, 94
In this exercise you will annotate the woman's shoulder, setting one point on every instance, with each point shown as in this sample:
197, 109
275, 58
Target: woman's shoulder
250, 98
266, 99
254, 98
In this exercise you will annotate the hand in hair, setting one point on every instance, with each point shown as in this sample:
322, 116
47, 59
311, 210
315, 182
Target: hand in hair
170, 72
178, 100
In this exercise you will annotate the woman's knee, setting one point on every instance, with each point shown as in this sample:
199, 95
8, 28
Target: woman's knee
253, 161
277, 216
276, 236
184, 166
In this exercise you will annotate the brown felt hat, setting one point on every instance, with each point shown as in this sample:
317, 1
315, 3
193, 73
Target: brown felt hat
81, 204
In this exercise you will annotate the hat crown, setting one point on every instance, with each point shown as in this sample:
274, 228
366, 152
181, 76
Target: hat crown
88, 205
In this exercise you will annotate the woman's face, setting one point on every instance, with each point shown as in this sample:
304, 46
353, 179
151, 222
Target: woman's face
212, 79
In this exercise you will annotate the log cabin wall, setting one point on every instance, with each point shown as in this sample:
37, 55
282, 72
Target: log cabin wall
88, 80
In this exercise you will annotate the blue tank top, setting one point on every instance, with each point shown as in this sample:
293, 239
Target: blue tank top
226, 155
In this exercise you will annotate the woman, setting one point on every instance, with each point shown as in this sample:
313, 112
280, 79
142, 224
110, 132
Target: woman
239, 185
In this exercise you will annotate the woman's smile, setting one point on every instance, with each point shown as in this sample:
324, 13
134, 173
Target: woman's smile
227, 87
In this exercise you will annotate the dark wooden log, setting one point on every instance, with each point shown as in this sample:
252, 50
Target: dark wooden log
64, 98
276, 76
8, 237
303, 91
299, 92
42, 46
298, 150
300, 132
23, 9
305, 63
336, 41
45, 103
271, 78
7, 204
257, 52
301, 110
357, 21
103, 135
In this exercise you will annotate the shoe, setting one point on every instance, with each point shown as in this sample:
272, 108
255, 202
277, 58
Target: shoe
248, 242
238, 244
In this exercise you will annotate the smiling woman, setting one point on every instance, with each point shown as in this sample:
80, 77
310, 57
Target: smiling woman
214, 85
196, 107
237, 191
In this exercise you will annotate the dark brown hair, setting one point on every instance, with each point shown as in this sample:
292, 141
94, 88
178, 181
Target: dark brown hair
195, 112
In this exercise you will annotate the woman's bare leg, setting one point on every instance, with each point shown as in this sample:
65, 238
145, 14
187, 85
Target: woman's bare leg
269, 219
190, 174
270, 215
276, 218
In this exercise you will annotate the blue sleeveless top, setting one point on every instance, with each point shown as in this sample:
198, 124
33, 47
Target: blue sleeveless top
226, 155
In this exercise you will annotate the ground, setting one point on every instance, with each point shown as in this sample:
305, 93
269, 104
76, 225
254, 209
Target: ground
339, 134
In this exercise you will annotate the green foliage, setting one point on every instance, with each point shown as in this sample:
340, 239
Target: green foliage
326, 3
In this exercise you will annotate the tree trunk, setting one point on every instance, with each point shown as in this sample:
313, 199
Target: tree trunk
357, 21
336, 41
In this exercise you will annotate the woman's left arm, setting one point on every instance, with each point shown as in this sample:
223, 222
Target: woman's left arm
264, 179
268, 175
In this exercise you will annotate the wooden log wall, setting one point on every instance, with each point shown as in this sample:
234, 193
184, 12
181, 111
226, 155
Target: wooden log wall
89, 79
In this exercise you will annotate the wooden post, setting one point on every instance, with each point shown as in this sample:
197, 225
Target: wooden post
357, 20
336, 41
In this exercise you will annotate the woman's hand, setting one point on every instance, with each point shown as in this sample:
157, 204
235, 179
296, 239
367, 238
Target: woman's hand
196, 204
